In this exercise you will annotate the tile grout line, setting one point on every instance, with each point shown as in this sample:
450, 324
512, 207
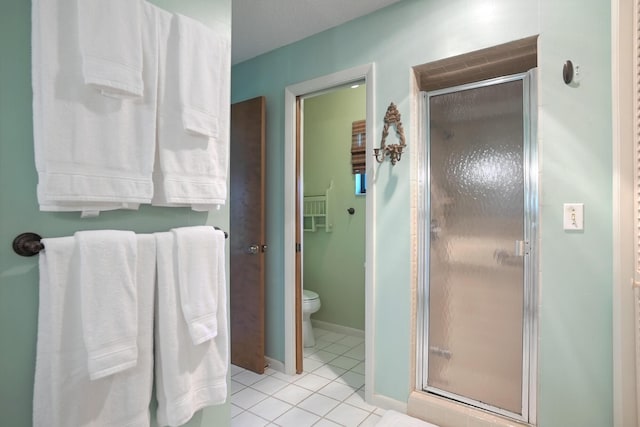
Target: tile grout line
324, 338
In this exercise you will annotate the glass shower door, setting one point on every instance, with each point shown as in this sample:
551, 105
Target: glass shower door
475, 347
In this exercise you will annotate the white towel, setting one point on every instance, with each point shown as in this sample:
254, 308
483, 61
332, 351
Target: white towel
188, 377
92, 152
199, 276
202, 73
64, 395
110, 34
192, 165
106, 271
396, 419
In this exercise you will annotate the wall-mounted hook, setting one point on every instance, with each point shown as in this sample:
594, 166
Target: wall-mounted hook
571, 74
567, 72
351, 211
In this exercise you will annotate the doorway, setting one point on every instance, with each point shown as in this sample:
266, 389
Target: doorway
480, 245
294, 209
333, 225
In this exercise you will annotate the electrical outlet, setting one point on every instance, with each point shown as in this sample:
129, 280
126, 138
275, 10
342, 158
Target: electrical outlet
573, 216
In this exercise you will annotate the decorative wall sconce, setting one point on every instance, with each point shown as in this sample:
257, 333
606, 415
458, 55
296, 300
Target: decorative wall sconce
394, 151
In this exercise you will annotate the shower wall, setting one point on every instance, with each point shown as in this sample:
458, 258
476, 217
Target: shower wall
334, 261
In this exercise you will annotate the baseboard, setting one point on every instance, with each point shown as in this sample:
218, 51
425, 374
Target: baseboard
385, 402
337, 328
274, 364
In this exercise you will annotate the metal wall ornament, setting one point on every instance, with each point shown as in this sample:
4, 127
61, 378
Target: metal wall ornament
394, 151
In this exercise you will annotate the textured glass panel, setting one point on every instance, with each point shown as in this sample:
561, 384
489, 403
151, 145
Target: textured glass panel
476, 278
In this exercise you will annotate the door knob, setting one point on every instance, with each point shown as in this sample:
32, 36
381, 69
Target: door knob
253, 249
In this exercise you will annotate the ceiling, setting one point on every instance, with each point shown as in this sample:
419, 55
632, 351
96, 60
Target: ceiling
259, 26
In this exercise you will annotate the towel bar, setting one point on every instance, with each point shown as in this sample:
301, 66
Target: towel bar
29, 244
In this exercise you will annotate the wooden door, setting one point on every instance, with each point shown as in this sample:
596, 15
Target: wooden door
247, 233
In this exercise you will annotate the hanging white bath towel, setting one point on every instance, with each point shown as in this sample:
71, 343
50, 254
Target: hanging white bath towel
64, 395
189, 377
193, 114
92, 152
105, 267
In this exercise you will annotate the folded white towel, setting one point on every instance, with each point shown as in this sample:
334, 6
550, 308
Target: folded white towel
396, 419
64, 395
199, 275
92, 152
110, 34
193, 115
106, 271
188, 377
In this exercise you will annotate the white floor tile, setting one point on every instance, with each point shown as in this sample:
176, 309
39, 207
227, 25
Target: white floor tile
318, 404
235, 410
270, 385
337, 391
347, 415
269, 371
308, 351
236, 386
292, 394
357, 400
333, 336
337, 348
323, 356
247, 419
322, 343
353, 379
236, 370
312, 382
285, 377
311, 365
334, 389
350, 341
248, 377
344, 362
297, 417
329, 372
379, 411
359, 368
248, 397
326, 423
356, 352
270, 408
371, 421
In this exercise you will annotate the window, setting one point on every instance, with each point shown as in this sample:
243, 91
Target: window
361, 183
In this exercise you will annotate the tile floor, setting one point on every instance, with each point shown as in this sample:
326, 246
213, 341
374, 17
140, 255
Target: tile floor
330, 391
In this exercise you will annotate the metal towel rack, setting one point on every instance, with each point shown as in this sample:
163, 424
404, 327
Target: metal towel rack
30, 244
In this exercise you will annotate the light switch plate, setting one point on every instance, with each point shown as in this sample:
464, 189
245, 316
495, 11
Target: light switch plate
573, 216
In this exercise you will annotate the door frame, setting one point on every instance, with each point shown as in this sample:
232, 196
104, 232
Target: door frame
626, 395
358, 73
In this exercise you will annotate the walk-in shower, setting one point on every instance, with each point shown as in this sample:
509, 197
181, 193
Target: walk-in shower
479, 245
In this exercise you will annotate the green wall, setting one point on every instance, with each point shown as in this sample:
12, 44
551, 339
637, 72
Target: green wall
575, 353
334, 262
19, 210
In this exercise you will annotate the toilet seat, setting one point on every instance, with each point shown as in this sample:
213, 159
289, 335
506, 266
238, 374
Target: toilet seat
309, 295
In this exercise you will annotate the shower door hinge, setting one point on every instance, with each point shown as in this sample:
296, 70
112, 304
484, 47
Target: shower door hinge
298, 247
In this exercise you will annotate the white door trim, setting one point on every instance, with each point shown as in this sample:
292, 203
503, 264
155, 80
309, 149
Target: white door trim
625, 398
365, 72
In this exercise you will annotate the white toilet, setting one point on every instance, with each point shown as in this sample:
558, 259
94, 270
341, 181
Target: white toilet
310, 304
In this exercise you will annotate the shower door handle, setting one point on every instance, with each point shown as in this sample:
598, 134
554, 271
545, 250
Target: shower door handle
522, 248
